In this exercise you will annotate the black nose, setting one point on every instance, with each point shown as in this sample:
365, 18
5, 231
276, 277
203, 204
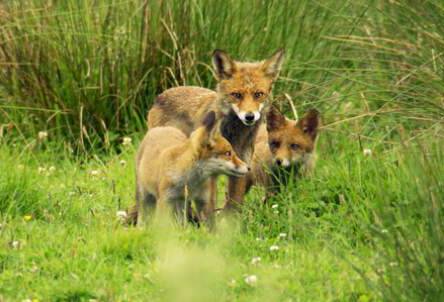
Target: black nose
249, 116
278, 162
249, 169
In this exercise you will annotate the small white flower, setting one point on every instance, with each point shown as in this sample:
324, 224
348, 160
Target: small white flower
392, 264
283, 235
274, 248
52, 169
126, 141
251, 280
384, 231
367, 152
255, 260
275, 206
15, 244
42, 135
121, 215
94, 172
276, 212
122, 162
41, 170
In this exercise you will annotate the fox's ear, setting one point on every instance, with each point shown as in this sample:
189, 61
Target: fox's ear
273, 65
209, 121
211, 125
223, 64
310, 123
275, 119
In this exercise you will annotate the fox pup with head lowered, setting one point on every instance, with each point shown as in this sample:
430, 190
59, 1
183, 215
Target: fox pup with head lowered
284, 148
240, 98
172, 169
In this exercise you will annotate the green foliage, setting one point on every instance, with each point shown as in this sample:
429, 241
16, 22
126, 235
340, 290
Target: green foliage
89, 70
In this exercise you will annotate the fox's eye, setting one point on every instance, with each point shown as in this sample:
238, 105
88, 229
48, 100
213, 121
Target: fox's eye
258, 94
228, 153
294, 146
274, 144
236, 95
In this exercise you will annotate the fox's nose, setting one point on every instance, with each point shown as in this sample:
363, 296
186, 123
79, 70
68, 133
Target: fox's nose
249, 116
248, 168
279, 162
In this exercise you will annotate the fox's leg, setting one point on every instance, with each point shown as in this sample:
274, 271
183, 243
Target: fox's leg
211, 202
145, 207
236, 190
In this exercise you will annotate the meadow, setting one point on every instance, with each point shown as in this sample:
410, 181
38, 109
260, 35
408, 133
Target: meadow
77, 79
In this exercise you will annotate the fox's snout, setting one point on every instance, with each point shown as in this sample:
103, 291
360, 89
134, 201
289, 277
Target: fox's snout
282, 162
239, 166
248, 117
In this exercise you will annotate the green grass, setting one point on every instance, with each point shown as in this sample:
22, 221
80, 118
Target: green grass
362, 228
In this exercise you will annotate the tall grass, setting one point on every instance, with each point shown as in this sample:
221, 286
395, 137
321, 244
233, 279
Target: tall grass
88, 70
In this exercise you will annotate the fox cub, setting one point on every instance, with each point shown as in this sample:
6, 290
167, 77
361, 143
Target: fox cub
283, 148
241, 98
172, 168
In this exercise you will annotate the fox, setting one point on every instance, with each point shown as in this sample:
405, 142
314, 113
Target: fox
172, 168
283, 148
240, 99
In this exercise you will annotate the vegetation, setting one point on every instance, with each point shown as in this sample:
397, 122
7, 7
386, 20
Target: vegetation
367, 226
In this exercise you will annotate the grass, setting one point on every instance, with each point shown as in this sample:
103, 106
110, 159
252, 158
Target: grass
362, 228
365, 230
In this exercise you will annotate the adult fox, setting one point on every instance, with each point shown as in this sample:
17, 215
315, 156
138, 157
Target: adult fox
240, 100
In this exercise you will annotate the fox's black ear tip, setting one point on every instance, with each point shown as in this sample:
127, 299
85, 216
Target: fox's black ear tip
218, 52
209, 120
314, 111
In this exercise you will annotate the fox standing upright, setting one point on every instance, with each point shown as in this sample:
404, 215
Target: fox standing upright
240, 99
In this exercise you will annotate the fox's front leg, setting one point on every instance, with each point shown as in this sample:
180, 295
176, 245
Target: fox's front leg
236, 190
210, 205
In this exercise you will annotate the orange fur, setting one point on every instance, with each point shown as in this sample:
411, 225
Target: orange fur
283, 143
240, 99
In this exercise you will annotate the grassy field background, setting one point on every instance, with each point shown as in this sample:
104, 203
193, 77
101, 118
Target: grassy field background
367, 226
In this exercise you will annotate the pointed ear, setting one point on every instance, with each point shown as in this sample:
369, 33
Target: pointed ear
310, 123
273, 65
212, 126
209, 121
275, 119
223, 64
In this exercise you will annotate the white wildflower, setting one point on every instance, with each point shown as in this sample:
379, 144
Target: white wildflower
384, 231
52, 169
283, 235
15, 244
275, 206
255, 260
121, 215
42, 135
126, 141
274, 248
251, 280
367, 152
94, 172
41, 170
276, 212
122, 162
